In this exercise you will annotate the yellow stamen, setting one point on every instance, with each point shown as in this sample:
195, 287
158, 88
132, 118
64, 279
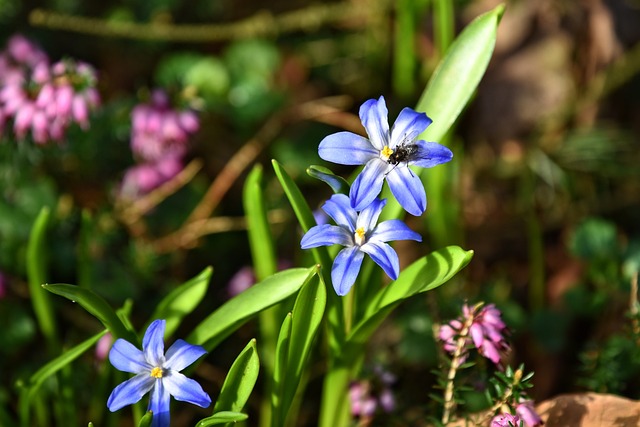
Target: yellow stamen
360, 236
386, 152
157, 372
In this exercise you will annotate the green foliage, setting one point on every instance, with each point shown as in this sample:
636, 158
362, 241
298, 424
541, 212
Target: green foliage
240, 381
182, 301
95, 305
231, 315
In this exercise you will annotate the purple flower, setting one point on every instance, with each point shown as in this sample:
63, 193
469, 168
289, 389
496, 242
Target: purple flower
3, 285
528, 414
387, 153
506, 420
485, 332
145, 177
157, 373
362, 403
359, 234
158, 130
43, 99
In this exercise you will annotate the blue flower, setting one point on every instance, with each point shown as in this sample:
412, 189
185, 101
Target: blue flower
386, 154
360, 235
156, 373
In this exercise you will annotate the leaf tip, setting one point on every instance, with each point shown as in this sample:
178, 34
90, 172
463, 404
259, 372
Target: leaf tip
499, 11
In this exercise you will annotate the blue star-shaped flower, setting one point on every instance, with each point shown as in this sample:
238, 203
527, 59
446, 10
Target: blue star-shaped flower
386, 154
359, 234
156, 372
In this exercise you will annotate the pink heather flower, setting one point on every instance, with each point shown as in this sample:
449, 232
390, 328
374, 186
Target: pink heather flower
158, 130
362, 403
486, 332
103, 346
506, 420
3, 285
22, 51
40, 98
142, 178
528, 414
241, 281
367, 396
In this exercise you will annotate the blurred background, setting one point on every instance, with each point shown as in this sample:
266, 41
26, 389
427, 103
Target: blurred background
544, 185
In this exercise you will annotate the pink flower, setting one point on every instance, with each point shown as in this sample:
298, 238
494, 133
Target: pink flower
506, 420
41, 98
158, 130
528, 414
485, 333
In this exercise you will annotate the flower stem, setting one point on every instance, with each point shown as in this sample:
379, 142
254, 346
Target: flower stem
456, 361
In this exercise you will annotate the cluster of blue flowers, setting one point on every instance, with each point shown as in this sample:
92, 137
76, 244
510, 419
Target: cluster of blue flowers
386, 154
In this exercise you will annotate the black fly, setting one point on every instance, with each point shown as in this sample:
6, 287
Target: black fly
402, 153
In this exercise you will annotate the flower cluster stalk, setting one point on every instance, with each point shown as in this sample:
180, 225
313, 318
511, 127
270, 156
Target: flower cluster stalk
459, 355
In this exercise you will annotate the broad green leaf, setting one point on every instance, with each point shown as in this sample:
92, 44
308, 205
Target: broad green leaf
240, 380
423, 275
223, 417
232, 314
453, 83
320, 254
459, 74
337, 183
182, 300
307, 317
280, 370
36, 273
260, 238
95, 305
60, 362
146, 420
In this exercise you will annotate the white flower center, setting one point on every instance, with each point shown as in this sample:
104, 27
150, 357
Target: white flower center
359, 236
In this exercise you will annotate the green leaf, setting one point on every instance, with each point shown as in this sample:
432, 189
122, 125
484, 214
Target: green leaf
320, 254
240, 380
459, 74
36, 272
58, 363
182, 300
280, 370
337, 183
298, 203
95, 305
307, 317
423, 275
146, 420
453, 83
260, 238
232, 314
223, 417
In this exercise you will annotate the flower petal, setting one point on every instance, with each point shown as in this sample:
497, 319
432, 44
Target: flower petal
430, 154
368, 184
369, 215
160, 404
374, 117
408, 126
130, 391
182, 354
394, 229
124, 356
408, 190
346, 148
345, 269
186, 389
326, 235
153, 343
383, 255
339, 208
